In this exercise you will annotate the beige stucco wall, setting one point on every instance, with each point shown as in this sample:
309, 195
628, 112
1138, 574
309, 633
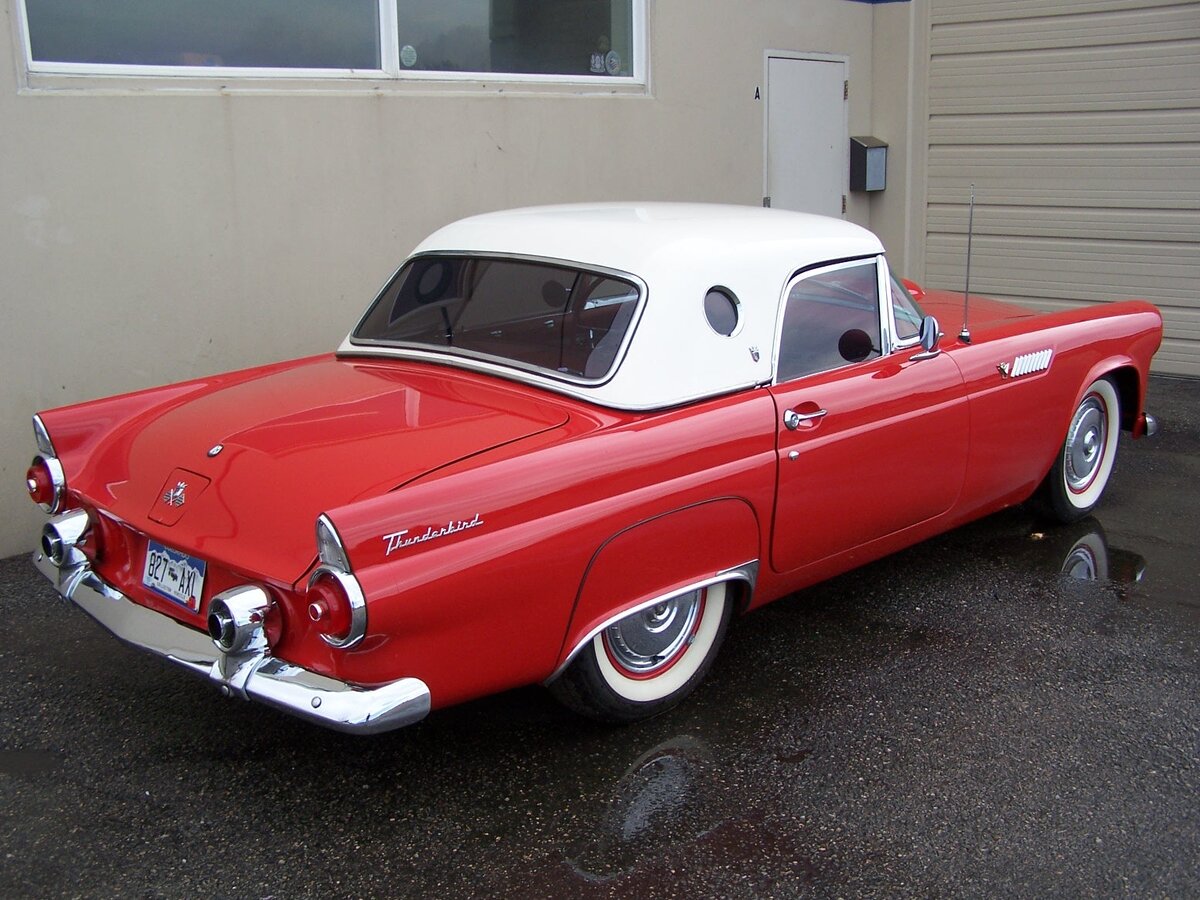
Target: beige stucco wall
151, 235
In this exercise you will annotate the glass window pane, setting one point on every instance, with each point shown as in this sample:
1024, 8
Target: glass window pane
566, 37
305, 34
530, 314
908, 314
831, 320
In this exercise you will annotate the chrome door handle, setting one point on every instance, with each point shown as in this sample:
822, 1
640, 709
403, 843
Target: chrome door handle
792, 419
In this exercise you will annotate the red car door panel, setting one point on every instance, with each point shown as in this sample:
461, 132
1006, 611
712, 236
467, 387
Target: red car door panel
879, 446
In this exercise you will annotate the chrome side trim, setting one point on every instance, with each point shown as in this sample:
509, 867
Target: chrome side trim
252, 675
746, 572
1151, 428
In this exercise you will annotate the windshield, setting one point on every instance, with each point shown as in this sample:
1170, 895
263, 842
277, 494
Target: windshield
566, 321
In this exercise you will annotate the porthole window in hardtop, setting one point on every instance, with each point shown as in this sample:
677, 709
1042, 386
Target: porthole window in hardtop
831, 320
722, 310
562, 320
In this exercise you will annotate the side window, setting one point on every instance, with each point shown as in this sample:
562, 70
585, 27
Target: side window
831, 320
908, 314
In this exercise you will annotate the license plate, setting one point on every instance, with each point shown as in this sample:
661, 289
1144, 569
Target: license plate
174, 575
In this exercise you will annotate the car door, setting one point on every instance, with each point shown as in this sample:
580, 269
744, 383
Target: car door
872, 431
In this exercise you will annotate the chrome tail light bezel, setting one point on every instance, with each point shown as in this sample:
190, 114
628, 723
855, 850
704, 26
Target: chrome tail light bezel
48, 457
354, 598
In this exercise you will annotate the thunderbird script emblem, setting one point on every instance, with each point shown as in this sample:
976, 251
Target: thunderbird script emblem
174, 496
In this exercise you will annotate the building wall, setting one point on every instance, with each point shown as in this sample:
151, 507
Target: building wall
150, 235
1079, 125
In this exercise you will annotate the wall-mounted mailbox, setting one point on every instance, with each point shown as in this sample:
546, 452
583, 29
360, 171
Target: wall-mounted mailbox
868, 164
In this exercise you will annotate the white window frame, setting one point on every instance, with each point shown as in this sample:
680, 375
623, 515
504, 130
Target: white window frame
390, 72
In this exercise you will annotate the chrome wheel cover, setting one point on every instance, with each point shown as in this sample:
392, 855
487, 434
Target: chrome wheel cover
653, 638
1086, 442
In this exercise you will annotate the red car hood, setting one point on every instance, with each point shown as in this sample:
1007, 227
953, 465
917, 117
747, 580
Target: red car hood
296, 439
947, 306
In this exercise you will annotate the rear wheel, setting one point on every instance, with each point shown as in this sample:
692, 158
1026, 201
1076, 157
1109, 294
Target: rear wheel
1084, 464
647, 662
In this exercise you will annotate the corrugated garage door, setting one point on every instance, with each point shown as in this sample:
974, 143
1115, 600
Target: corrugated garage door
1079, 123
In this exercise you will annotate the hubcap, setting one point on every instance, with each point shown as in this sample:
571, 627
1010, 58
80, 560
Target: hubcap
1085, 443
653, 638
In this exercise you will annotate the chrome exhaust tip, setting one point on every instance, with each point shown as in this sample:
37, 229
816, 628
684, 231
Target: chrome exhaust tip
61, 534
236, 618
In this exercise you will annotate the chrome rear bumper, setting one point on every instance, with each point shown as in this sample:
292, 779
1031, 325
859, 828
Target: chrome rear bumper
251, 676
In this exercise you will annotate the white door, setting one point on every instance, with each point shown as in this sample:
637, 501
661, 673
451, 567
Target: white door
808, 142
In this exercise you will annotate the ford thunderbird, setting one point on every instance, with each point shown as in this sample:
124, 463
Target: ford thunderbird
568, 445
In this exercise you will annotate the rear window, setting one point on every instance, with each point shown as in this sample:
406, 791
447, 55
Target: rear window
557, 319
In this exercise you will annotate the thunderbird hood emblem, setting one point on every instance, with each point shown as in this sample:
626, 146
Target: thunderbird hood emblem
182, 486
174, 496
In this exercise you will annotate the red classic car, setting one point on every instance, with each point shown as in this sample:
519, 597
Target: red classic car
566, 445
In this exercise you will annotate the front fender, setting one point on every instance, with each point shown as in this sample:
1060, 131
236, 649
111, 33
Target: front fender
661, 556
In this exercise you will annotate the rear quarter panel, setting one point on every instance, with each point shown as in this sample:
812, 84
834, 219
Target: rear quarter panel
493, 606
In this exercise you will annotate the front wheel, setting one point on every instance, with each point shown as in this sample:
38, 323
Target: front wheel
1080, 473
647, 662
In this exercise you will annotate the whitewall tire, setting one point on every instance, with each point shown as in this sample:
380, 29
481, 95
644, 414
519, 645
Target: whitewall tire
1085, 461
648, 661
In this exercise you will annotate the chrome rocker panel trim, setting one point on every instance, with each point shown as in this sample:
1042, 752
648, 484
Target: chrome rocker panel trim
252, 675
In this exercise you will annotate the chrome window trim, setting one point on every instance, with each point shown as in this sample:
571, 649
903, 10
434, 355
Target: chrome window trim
482, 362
896, 344
808, 272
747, 572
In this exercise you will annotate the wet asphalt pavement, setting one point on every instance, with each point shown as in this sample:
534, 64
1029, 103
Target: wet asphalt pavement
960, 719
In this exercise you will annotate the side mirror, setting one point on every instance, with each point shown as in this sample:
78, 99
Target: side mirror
929, 334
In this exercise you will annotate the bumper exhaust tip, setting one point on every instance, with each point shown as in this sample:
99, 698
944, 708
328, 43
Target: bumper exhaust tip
236, 617
61, 534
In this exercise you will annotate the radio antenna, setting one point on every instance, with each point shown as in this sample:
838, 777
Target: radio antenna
965, 334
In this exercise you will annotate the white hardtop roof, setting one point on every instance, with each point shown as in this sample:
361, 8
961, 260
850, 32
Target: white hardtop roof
680, 251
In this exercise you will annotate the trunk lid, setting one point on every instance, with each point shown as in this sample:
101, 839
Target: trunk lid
295, 440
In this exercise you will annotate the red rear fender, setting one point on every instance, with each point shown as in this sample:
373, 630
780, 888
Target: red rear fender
657, 557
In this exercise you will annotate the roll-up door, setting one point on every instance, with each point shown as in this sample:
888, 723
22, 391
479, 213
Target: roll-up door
1079, 123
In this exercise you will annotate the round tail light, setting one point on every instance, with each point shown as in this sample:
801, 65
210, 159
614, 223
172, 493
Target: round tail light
336, 607
328, 606
44, 482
